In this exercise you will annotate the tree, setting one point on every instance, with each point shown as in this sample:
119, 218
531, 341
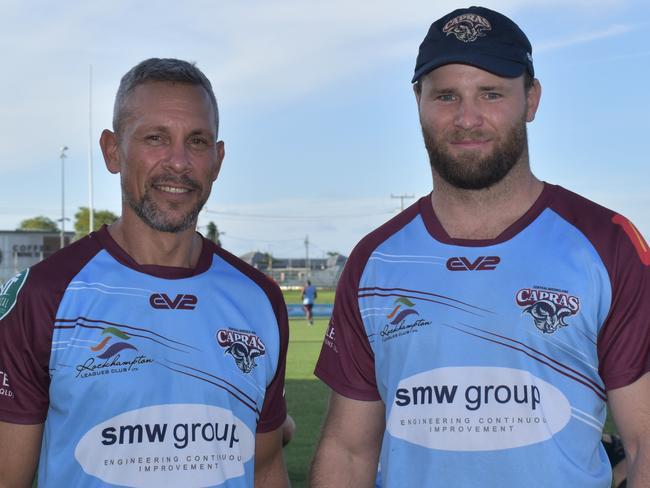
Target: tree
41, 223
82, 220
213, 233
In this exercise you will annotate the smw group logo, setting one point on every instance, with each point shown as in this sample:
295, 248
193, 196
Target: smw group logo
168, 445
112, 346
471, 408
402, 320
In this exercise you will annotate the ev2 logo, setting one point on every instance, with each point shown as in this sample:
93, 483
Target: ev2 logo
162, 301
482, 263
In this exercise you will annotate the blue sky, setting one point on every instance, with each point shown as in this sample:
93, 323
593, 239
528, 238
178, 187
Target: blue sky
317, 112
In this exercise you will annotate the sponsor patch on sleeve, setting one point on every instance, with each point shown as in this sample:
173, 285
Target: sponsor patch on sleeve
9, 292
635, 236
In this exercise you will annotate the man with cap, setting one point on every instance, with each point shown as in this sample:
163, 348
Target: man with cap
478, 337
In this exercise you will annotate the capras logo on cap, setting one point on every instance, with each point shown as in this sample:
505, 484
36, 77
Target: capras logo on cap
467, 27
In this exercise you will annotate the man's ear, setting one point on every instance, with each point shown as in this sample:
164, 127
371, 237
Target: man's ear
532, 100
417, 90
221, 153
108, 143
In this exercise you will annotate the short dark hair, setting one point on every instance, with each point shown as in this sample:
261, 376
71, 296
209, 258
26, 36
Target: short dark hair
529, 80
159, 69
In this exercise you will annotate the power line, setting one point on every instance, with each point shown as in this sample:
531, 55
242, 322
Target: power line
293, 218
401, 200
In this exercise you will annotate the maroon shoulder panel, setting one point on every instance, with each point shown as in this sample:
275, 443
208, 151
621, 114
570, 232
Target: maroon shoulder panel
274, 410
26, 332
346, 362
624, 340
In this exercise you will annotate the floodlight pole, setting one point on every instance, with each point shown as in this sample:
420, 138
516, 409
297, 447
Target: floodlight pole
63, 156
91, 210
307, 263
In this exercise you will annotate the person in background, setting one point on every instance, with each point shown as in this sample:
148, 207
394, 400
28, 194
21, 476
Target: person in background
309, 296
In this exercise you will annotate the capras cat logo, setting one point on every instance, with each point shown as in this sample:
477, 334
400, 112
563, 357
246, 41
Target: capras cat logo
244, 347
481, 263
549, 308
467, 27
162, 301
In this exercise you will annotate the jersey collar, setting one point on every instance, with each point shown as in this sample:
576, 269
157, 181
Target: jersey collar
436, 230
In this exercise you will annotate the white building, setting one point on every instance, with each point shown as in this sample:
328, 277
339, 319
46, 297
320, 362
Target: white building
20, 249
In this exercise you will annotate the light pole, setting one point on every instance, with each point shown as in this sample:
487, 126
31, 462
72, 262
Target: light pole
63, 156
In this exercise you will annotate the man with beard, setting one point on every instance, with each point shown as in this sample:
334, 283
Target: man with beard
478, 336
143, 354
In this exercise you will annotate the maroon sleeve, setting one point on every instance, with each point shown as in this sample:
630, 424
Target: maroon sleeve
624, 338
28, 305
347, 362
274, 409
24, 352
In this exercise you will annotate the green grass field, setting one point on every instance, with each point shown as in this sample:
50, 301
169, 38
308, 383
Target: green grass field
306, 395
324, 296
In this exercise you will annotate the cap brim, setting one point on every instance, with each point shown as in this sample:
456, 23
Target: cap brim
488, 62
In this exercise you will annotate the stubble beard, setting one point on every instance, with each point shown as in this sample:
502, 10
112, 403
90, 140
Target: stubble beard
469, 171
155, 217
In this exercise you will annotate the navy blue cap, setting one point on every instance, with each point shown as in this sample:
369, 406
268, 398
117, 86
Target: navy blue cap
479, 37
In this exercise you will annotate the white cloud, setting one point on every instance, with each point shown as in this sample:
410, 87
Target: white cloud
608, 31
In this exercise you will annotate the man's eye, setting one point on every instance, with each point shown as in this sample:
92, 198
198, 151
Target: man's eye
446, 98
154, 138
198, 141
492, 95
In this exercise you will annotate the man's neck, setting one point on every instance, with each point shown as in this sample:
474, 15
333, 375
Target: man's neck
147, 246
485, 214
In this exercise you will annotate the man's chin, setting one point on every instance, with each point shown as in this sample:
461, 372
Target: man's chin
171, 227
168, 221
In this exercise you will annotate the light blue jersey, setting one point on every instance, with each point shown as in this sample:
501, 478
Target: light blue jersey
309, 295
493, 358
157, 376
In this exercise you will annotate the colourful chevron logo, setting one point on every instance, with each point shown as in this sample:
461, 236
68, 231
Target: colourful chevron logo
403, 308
114, 348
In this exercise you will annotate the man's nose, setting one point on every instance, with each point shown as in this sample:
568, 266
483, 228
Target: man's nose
178, 159
468, 115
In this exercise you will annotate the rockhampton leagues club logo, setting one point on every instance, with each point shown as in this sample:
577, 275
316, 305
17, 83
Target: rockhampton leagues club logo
243, 346
403, 319
113, 342
548, 307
